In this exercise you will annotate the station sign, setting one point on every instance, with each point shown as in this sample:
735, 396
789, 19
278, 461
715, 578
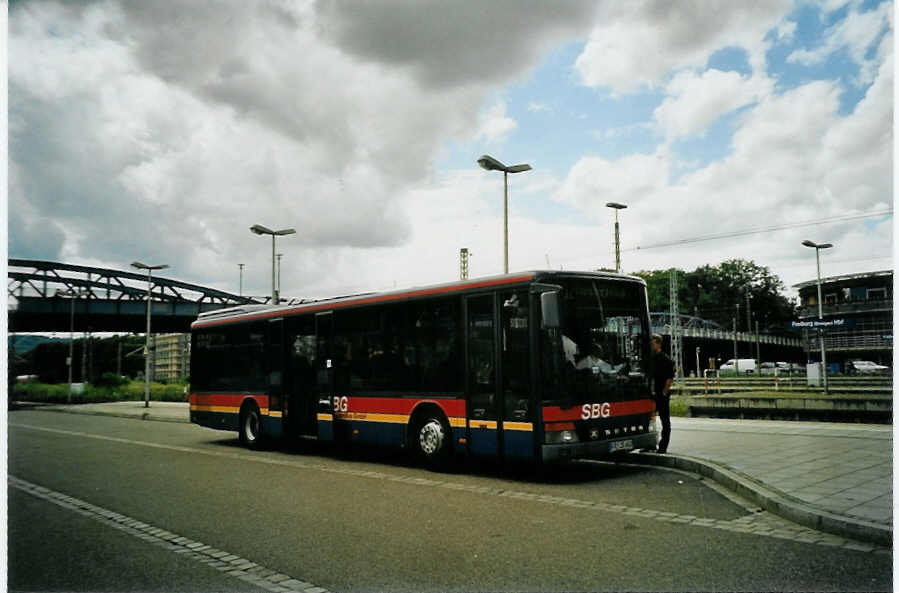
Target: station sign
823, 324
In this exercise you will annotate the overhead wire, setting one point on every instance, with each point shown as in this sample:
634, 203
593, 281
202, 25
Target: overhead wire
779, 227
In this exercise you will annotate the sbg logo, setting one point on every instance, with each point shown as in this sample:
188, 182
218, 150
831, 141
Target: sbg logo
594, 411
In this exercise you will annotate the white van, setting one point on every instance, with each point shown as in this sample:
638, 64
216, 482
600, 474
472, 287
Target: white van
746, 366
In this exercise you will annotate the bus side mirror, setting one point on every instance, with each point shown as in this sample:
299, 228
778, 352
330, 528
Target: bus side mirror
549, 309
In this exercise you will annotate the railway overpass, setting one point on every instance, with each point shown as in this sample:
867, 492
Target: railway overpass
109, 300
713, 341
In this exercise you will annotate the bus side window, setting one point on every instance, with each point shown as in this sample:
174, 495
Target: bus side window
516, 357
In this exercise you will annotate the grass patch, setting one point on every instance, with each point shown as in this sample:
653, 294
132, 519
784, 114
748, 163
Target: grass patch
678, 406
131, 391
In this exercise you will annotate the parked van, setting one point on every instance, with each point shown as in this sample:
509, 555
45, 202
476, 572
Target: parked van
746, 366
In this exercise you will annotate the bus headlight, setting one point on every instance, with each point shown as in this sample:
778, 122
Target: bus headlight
561, 437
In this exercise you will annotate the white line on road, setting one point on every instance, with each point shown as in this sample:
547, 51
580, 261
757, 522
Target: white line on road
230, 564
756, 524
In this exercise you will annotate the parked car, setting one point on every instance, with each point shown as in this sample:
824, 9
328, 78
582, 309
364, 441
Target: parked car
867, 367
767, 368
746, 366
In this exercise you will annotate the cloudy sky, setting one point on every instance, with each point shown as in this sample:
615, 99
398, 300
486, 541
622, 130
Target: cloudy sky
161, 131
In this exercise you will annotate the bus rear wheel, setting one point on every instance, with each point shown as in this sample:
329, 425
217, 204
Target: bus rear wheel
250, 429
431, 440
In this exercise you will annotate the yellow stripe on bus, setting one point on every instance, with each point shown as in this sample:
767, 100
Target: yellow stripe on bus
490, 424
210, 408
518, 426
367, 417
274, 414
325, 417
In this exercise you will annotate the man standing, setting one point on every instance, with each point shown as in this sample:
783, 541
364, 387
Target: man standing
662, 378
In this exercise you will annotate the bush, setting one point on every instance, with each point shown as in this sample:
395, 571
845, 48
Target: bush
125, 391
111, 380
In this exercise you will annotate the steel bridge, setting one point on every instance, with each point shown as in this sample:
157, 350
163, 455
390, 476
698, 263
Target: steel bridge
107, 300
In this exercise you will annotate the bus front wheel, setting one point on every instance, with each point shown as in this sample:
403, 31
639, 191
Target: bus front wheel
250, 431
431, 439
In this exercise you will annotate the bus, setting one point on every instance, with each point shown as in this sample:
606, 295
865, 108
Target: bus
535, 367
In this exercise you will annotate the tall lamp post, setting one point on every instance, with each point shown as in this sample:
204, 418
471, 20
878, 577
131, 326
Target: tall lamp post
279, 273
149, 269
72, 294
818, 247
241, 279
491, 164
616, 206
261, 230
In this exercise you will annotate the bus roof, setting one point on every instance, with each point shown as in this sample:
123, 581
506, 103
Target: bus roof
253, 312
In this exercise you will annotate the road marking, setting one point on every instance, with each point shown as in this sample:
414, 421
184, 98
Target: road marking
230, 564
762, 523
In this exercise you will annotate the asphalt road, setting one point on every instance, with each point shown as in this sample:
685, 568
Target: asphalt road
110, 504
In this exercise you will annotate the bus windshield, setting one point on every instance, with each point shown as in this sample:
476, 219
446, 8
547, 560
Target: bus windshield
604, 340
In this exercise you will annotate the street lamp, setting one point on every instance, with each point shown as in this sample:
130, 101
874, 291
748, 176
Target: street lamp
491, 164
616, 206
261, 230
241, 278
149, 269
818, 247
73, 294
279, 273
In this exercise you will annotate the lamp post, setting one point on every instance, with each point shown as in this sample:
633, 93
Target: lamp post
73, 294
616, 206
149, 269
279, 274
241, 278
491, 164
818, 247
261, 230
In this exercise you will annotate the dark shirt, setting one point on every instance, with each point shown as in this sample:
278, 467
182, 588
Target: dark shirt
662, 370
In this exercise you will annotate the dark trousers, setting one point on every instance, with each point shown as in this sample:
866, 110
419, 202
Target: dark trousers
663, 405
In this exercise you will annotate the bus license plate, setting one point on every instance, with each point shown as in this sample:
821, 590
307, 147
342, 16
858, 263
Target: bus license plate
616, 446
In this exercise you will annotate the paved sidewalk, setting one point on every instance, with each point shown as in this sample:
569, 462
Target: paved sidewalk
829, 476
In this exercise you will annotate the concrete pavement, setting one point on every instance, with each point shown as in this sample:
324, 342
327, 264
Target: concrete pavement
832, 477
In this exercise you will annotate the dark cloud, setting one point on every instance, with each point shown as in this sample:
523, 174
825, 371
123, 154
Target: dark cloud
448, 45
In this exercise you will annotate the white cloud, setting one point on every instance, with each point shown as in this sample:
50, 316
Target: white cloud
594, 181
856, 33
639, 43
786, 30
694, 101
141, 131
794, 159
535, 107
495, 125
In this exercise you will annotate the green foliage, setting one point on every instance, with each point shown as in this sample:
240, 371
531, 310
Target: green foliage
718, 293
111, 380
128, 391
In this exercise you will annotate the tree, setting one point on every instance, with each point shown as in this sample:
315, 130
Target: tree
713, 293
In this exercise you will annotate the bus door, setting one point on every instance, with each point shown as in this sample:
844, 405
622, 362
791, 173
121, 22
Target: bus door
324, 375
484, 424
276, 382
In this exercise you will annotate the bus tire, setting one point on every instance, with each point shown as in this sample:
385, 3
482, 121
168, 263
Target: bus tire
249, 429
432, 440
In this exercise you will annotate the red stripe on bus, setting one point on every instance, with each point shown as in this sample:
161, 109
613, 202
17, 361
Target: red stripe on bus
227, 399
364, 301
628, 408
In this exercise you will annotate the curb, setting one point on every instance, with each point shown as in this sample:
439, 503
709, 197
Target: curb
773, 500
142, 416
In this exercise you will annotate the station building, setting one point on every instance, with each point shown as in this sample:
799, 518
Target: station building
857, 315
171, 362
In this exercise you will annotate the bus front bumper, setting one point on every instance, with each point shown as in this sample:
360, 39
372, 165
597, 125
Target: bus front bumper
599, 449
